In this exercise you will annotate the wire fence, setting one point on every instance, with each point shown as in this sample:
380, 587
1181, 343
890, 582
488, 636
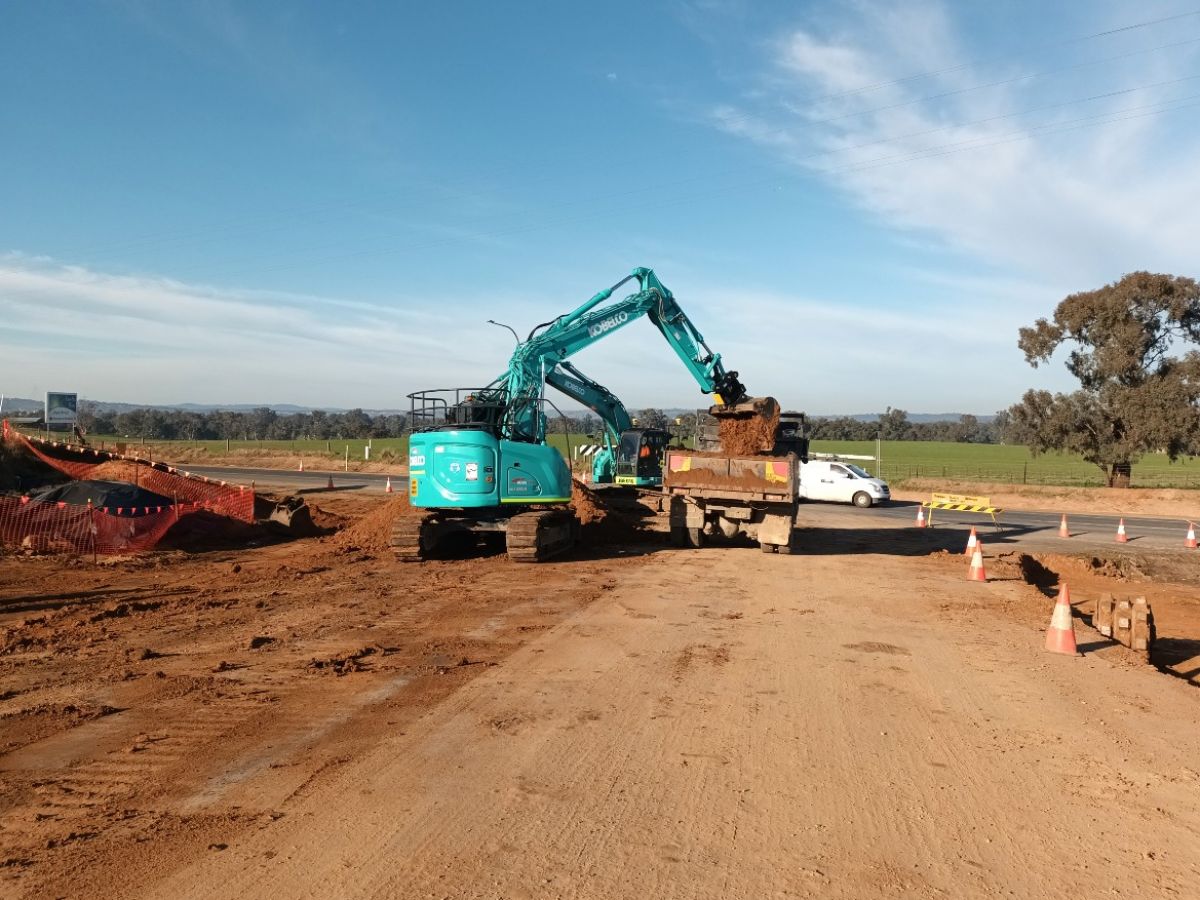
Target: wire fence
1026, 473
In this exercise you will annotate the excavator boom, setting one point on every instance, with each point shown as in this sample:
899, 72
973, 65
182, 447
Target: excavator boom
553, 342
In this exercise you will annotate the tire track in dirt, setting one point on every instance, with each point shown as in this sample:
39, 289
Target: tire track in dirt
846, 745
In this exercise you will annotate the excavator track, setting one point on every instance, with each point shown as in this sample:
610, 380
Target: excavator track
539, 534
410, 539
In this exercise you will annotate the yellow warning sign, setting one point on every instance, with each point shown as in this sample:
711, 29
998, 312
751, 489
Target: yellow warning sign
962, 503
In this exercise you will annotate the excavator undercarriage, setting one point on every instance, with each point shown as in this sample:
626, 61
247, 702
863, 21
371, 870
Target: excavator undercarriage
528, 536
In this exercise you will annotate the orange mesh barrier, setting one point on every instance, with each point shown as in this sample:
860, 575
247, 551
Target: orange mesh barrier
66, 528
53, 527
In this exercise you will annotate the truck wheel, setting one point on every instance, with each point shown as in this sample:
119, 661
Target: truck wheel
862, 500
679, 536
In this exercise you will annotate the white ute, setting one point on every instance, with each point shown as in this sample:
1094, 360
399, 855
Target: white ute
841, 482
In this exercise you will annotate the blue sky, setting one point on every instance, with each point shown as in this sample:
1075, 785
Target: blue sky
858, 203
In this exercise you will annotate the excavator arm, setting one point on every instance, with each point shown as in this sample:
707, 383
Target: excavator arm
552, 343
596, 397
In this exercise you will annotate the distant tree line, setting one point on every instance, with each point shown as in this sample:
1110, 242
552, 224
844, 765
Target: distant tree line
257, 424
894, 425
267, 425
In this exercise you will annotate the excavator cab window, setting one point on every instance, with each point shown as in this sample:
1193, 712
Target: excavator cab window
650, 456
641, 452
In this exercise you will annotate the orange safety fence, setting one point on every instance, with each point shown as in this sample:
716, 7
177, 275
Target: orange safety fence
56, 526
48, 527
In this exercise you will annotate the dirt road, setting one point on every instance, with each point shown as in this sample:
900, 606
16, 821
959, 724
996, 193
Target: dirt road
714, 723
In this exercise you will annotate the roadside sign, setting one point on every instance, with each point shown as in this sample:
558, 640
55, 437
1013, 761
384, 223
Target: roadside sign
61, 410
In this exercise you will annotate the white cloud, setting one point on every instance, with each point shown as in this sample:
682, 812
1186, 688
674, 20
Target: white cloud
1053, 198
157, 340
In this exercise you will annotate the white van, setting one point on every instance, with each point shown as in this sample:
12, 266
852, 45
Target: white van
841, 482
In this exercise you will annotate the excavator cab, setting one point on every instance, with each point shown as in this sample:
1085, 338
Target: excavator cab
640, 456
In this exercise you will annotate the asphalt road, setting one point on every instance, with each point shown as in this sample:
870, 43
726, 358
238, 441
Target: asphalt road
1087, 527
309, 479
1091, 528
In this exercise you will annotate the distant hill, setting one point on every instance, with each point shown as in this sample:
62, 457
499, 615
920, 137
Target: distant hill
14, 404
917, 417
868, 417
18, 404
22, 404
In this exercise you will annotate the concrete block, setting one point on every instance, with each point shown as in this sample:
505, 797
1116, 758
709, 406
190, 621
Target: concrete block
1102, 618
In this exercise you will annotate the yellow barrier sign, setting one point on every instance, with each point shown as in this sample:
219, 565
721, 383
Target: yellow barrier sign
961, 503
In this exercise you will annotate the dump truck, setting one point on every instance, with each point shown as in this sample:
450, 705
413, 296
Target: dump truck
715, 496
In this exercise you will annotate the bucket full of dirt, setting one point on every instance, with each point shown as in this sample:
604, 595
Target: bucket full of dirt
748, 430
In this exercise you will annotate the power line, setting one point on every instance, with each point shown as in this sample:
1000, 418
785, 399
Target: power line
1111, 117
642, 191
295, 213
709, 176
961, 66
996, 118
927, 153
978, 87
1003, 81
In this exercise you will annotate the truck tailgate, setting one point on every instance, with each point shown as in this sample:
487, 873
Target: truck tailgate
759, 477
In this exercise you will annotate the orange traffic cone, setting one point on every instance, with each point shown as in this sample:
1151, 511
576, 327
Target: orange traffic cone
972, 540
976, 572
1190, 540
1122, 538
1063, 530
387, 488
920, 516
329, 484
1060, 636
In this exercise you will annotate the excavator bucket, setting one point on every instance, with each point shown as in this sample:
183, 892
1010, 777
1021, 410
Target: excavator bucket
748, 427
766, 407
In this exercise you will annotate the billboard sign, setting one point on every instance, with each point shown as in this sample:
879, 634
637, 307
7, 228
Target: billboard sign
61, 410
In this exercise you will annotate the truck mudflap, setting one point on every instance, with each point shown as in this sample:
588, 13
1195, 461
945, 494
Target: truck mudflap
776, 529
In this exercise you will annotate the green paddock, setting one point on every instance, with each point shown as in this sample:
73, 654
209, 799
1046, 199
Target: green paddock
901, 460
1003, 463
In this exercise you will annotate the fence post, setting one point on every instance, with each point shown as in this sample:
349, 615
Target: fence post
92, 529
1024, 473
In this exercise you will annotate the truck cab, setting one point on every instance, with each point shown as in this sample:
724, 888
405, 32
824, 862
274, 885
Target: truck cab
839, 481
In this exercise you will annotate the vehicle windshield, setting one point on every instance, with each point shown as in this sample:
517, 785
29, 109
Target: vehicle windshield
857, 470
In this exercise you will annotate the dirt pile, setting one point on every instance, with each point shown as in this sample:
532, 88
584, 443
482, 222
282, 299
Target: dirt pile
201, 530
373, 532
118, 470
749, 436
605, 520
21, 470
586, 503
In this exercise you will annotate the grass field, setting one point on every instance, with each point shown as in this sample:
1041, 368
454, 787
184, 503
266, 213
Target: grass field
901, 459
382, 449
1005, 463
